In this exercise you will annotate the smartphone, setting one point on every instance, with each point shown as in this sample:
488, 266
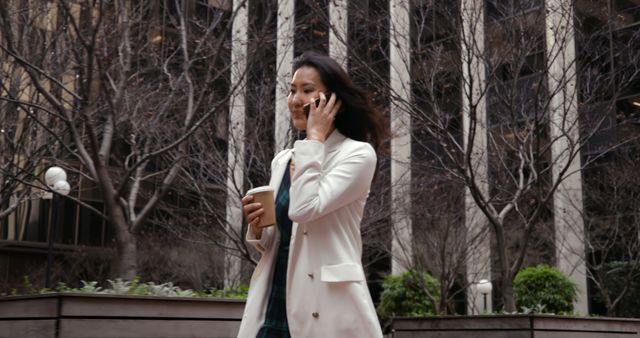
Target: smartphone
307, 107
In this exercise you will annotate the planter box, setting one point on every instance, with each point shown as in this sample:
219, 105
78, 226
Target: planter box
83, 315
515, 326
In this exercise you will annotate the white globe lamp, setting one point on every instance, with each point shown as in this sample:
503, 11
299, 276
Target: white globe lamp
61, 187
484, 287
56, 180
54, 174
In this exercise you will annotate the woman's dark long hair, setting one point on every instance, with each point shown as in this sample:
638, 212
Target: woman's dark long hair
358, 119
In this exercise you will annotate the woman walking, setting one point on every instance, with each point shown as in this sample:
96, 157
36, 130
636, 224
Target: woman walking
309, 282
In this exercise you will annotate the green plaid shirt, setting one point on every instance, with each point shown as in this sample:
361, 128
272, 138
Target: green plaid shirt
275, 324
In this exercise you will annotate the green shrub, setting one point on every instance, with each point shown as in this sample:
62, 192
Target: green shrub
405, 295
241, 292
545, 289
138, 288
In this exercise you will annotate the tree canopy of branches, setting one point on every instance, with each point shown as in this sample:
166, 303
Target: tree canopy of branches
123, 88
518, 85
131, 96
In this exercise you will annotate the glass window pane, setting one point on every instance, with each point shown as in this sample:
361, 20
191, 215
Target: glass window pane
626, 12
312, 26
503, 9
91, 225
66, 226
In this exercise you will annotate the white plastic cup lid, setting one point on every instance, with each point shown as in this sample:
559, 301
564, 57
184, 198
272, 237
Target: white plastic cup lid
260, 189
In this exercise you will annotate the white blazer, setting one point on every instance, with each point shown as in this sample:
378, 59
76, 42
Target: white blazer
327, 295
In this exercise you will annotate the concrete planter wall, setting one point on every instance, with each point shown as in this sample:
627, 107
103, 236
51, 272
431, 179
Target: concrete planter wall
515, 326
83, 315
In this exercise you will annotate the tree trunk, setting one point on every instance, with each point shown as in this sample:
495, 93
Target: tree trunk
507, 275
127, 259
607, 299
441, 307
507, 293
126, 266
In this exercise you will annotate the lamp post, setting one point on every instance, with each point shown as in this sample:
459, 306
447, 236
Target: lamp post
56, 180
484, 287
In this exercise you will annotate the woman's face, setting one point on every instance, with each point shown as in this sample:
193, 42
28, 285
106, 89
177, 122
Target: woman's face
305, 87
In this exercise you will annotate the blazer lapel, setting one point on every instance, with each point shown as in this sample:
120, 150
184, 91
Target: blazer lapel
278, 172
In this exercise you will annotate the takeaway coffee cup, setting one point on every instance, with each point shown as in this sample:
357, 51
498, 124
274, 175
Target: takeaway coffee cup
264, 195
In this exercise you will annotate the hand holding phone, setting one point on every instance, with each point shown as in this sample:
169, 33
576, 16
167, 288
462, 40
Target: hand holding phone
320, 125
307, 107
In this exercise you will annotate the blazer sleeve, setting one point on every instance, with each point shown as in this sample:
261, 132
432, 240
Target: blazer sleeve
264, 242
268, 234
315, 193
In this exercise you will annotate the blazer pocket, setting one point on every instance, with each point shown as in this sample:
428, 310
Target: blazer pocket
345, 272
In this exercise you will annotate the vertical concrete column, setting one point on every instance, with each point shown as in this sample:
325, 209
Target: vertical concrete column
339, 24
474, 117
564, 133
235, 152
400, 67
284, 58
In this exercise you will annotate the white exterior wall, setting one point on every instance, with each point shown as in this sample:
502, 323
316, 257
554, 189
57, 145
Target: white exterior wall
474, 121
235, 153
338, 33
400, 64
567, 201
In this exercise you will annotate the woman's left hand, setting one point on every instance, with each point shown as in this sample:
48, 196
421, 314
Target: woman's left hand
320, 120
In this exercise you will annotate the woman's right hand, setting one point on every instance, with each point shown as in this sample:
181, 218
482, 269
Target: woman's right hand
253, 211
320, 122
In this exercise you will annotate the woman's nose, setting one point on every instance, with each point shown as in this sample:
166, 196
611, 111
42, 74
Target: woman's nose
297, 99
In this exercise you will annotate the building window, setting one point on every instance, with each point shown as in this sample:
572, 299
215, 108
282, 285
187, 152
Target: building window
262, 84
91, 226
515, 102
23, 224
438, 221
607, 40
436, 83
312, 26
508, 9
626, 13
368, 42
64, 217
516, 65
434, 20
599, 121
435, 65
608, 35
75, 224
516, 47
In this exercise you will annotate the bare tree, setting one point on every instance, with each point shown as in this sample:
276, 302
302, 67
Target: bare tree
439, 245
613, 230
130, 84
520, 86
609, 83
135, 95
22, 149
23, 141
